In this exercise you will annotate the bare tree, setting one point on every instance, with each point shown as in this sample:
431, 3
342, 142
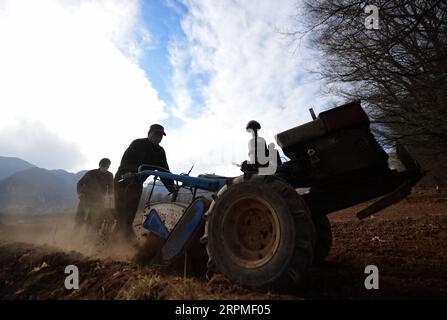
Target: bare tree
399, 70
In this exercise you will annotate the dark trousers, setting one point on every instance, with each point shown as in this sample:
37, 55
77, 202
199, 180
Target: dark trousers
90, 212
81, 213
127, 197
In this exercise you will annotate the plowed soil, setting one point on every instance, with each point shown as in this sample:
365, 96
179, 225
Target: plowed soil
407, 242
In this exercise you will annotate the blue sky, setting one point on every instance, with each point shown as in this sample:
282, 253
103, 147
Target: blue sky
164, 23
163, 18
82, 79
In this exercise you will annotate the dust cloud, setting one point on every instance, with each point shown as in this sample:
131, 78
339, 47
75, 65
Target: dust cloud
59, 231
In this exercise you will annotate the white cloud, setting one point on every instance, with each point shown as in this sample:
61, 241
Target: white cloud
252, 72
71, 69
34, 141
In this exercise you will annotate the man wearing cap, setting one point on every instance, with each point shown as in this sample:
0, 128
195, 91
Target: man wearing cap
92, 188
127, 193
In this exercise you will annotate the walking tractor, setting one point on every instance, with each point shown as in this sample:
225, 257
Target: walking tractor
259, 230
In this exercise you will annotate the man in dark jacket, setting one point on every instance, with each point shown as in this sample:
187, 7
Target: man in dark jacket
127, 193
92, 188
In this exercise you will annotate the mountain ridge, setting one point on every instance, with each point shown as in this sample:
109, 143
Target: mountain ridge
37, 190
12, 165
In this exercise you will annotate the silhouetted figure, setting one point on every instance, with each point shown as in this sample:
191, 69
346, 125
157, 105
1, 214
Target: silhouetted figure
127, 193
92, 189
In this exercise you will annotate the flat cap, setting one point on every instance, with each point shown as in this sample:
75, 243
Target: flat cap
157, 127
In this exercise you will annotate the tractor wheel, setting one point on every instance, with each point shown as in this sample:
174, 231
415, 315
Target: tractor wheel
259, 233
323, 235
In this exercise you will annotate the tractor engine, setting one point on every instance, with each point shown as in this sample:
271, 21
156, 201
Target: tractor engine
335, 145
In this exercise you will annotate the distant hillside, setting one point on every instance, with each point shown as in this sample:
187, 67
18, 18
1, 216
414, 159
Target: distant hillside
11, 165
68, 177
38, 190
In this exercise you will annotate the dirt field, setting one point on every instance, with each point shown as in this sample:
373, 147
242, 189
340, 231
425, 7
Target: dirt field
407, 242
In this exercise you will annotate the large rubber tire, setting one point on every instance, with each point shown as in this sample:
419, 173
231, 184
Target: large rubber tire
323, 238
259, 233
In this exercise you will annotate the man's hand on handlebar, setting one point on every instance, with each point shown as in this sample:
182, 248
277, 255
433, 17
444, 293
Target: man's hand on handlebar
127, 176
173, 189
